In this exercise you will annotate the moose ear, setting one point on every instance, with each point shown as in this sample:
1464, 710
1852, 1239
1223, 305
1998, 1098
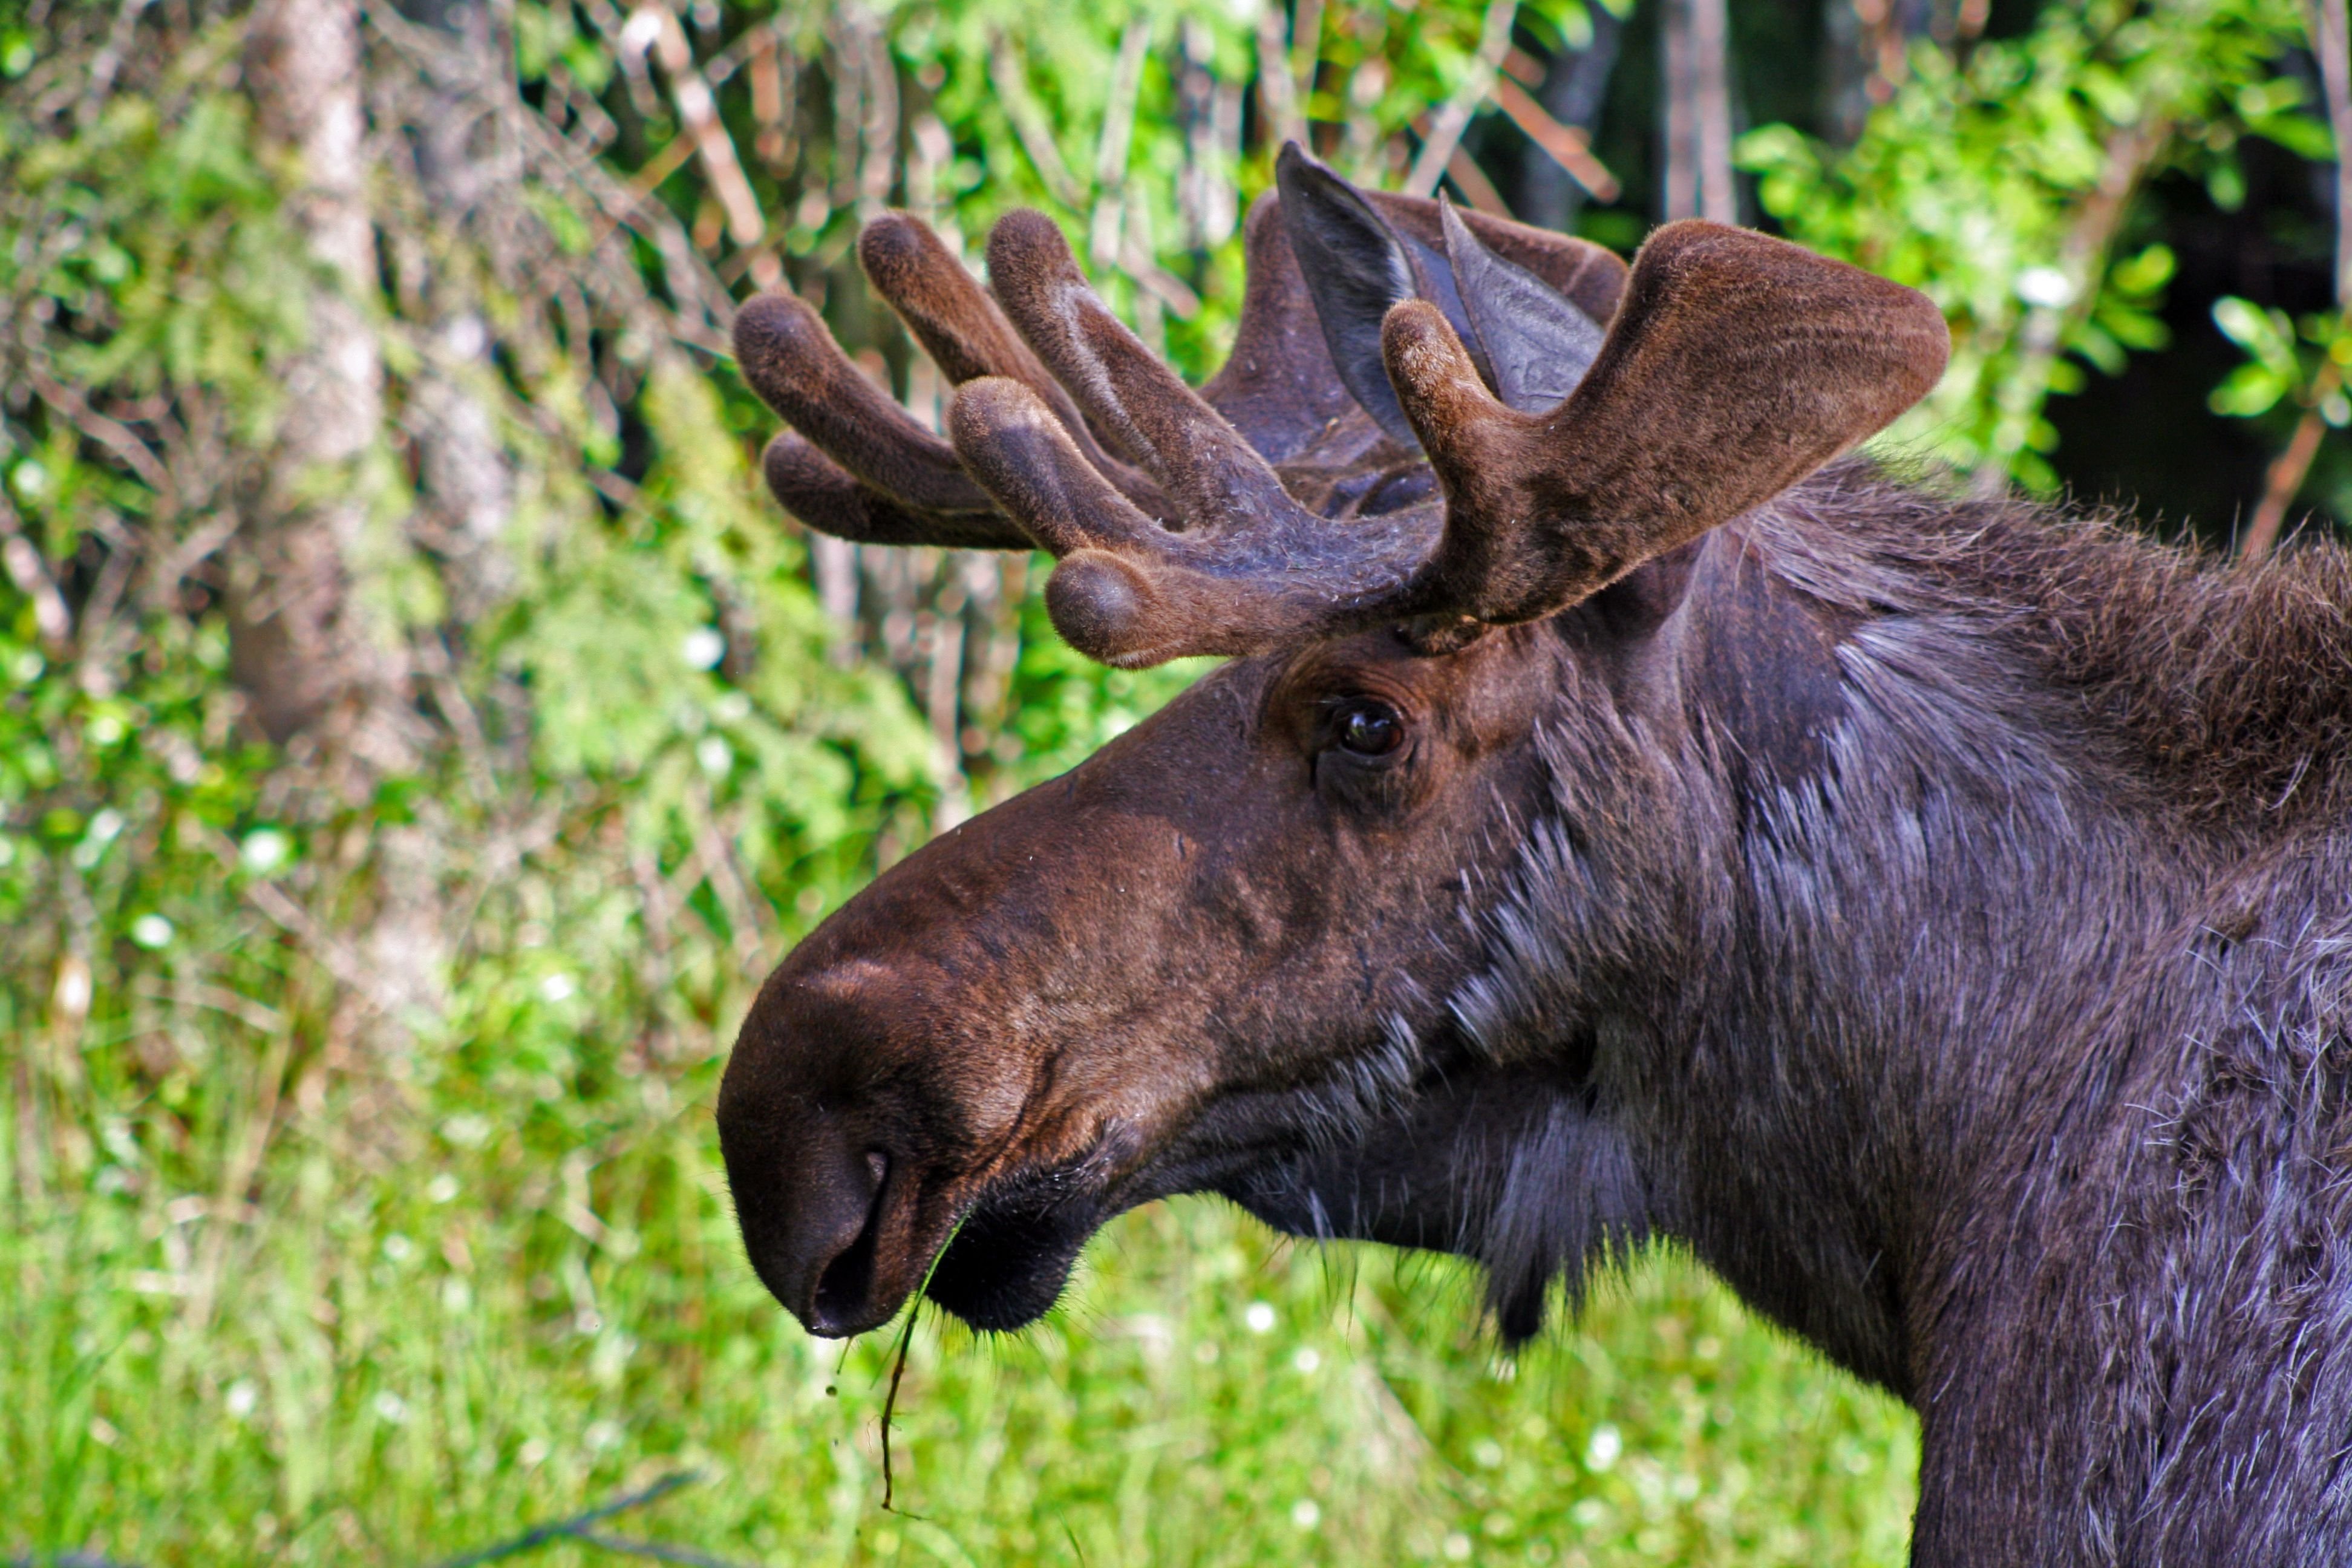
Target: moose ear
1539, 344
1355, 269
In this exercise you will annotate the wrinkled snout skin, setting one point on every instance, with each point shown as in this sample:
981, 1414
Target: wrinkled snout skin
1125, 983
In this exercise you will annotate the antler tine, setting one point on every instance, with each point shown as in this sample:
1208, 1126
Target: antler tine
1242, 566
1736, 365
1129, 592
1212, 476
793, 363
962, 328
821, 493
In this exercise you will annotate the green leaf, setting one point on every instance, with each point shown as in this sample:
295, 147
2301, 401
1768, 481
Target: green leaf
2146, 273
2265, 334
2250, 390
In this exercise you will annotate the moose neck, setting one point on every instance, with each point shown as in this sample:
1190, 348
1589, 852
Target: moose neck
1908, 946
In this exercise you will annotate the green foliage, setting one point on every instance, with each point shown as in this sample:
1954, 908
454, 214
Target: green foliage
2000, 184
2278, 365
450, 1320
361, 1199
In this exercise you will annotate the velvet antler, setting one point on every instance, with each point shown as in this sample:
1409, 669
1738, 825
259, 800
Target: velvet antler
1734, 364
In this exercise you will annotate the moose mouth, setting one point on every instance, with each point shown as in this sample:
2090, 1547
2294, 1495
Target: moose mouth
1007, 1264
1010, 1260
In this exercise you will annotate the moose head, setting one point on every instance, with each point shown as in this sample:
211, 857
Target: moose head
1443, 506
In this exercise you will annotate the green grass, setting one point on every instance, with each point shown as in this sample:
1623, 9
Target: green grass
437, 1324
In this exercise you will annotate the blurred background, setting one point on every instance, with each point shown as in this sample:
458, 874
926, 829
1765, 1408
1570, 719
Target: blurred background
418, 734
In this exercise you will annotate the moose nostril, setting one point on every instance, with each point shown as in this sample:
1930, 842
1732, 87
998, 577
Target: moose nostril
846, 1281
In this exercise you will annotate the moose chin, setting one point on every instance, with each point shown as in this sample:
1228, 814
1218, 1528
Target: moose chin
1622, 813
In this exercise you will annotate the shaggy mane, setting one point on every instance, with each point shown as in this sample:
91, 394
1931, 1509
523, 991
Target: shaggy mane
2228, 686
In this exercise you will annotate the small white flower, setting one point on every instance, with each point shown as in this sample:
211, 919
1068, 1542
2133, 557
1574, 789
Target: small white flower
467, 1130
703, 648
601, 1435
1600, 1452
264, 850
152, 931
715, 756
390, 1408
532, 1454
72, 993
398, 1248
1457, 1547
1487, 1454
2045, 287
1305, 1514
557, 988
465, 338
441, 1188
240, 1399
1259, 1316
1307, 1359
104, 829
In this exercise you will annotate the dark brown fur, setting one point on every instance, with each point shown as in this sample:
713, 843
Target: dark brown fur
1935, 914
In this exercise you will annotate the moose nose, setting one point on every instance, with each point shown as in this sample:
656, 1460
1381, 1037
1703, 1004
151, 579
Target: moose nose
812, 1209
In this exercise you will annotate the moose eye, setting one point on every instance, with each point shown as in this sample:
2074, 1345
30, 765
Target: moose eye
1365, 728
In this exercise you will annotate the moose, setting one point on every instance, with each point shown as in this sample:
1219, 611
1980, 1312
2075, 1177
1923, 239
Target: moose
1623, 812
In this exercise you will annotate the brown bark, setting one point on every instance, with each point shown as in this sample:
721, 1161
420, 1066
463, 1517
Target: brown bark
300, 645
1695, 41
314, 655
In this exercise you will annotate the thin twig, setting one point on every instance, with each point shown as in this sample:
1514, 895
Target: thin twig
1306, 51
699, 111
2130, 149
1567, 146
1278, 91
2286, 472
109, 63
112, 433
1029, 127
577, 1526
1453, 118
659, 1551
292, 918
2331, 43
890, 1400
1472, 182
1108, 224
31, 576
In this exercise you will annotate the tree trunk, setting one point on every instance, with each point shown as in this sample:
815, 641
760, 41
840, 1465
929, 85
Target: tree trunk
467, 481
1866, 42
315, 660
1696, 46
302, 648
